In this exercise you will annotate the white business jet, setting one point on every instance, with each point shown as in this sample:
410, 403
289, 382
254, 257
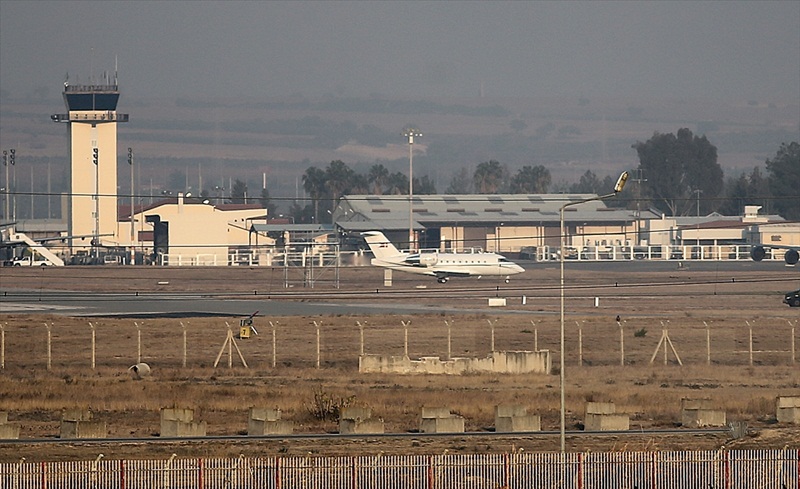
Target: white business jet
438, 264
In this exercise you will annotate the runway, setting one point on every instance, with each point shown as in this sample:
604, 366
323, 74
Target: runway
228, 291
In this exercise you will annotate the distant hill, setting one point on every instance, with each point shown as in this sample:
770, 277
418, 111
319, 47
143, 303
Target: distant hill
184, 141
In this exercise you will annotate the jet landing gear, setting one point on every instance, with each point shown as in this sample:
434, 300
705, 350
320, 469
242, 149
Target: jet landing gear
441, 280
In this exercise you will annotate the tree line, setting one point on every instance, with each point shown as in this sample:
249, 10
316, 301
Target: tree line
678, 174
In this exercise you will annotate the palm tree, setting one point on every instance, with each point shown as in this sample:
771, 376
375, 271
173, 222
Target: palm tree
488, 177
339, 178
378, 177
314, 184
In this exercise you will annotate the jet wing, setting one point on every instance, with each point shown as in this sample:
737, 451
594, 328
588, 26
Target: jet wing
451, 272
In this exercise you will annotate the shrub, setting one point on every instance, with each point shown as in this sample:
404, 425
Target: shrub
326, 407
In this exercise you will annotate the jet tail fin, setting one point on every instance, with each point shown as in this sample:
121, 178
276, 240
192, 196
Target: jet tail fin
380, 246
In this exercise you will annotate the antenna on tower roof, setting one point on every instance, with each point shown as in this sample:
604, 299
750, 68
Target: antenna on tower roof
115, 70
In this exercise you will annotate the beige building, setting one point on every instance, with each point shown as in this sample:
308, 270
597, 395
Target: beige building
187, 231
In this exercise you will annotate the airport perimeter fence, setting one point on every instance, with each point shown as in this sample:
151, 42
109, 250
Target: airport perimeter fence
734, 469
320, 344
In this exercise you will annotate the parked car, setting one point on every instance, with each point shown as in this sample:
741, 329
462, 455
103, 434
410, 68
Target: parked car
792, 298
676, 254
640, 252
28, 261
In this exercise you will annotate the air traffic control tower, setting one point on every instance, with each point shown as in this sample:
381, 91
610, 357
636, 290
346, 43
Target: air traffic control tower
92, 128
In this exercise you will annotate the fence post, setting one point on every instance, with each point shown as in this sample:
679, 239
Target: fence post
3, 345
792, 341
448, 323
621, 345
405, 336
138, 342
49, 346
431, 475
183, 363
708, 344
317, 326
274, 344
535, 336
361, 334
491, 325
750, 347
93, 344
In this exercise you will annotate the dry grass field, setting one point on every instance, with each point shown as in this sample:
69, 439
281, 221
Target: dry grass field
682, 301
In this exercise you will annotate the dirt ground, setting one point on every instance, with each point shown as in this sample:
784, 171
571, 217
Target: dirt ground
711, 318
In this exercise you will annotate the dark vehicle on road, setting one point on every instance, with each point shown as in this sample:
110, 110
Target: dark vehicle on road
792, 298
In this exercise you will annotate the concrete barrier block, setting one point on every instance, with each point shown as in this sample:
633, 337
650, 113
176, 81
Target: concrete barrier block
83, 429
9, 432
176, 429
507, 410
511, 424
262, 427
600, 408
788, 402
788, 409
788, 415
497, 302
691, 404
265, 414
349, 426
606, 422
435, 412
177, 414
454, 424
76, 415
699, 418
354, 413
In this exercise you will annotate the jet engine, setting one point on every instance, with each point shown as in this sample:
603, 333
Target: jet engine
792, 256
428, 259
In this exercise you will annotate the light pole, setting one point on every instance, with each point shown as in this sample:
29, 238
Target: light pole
617, 189
7, 189
9, 160
410, 133
130, 163
96, 240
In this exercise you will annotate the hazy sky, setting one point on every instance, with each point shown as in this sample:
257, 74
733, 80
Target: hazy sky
722, 49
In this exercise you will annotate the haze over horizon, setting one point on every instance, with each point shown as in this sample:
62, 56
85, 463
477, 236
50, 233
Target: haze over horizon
695, 50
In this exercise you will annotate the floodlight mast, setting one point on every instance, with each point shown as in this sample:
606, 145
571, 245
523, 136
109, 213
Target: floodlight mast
617, 189
410, 132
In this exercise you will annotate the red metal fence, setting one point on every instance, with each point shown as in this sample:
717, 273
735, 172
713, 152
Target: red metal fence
737, 469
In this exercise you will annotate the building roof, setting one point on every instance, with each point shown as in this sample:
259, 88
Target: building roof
292, 228
716, 220
384, 212
124, 209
